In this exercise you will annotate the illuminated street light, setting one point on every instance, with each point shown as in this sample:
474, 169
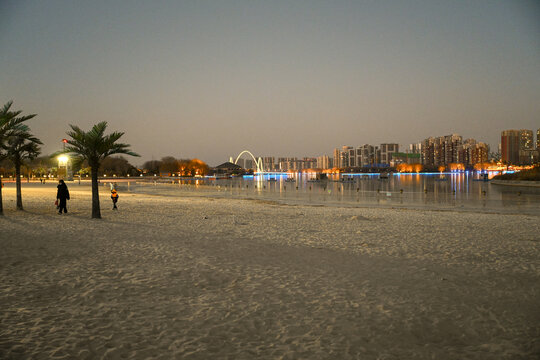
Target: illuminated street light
63, 166
62, 160
64, 163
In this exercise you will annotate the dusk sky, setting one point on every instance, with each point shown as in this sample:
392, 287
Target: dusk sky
208, 79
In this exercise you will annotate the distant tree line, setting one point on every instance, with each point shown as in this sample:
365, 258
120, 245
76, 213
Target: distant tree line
524, 175
170, 166
44, 166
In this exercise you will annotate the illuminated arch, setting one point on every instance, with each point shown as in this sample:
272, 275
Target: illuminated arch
259, 162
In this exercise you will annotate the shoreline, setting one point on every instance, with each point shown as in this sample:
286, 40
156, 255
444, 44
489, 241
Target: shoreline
517, 183
216, 192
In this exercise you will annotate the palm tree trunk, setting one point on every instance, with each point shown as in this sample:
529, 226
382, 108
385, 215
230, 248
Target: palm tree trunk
1, 206
18, 182
96, 212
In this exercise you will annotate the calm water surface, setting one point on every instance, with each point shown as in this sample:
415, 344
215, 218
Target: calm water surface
458, 191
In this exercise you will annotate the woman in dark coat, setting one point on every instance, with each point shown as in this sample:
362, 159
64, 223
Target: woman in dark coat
62, 195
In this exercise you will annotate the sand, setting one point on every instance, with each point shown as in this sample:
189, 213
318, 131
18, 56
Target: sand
214, 278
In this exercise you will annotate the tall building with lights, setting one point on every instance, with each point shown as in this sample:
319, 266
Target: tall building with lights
450, 147
415, 148
367, 155
527, 149
344, 156
428, 151
324, 162
309, 163
526, 140
510, 146
478, 154
269, 163
442, 150
352, 157
358, 156
517, 146
337, 158
386, 153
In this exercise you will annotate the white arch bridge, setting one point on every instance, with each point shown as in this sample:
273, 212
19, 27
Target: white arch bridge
258, 162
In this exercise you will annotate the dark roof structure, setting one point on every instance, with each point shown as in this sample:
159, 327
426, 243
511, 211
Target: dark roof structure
229, 166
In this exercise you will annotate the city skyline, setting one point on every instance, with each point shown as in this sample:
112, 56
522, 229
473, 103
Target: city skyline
285, 79
446, 150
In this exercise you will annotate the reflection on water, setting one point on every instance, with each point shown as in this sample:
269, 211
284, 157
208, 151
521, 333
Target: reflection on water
459, 190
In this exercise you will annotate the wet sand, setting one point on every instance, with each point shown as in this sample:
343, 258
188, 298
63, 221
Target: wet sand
199, 278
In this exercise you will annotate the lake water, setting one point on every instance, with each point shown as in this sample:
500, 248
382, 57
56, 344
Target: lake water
457, 191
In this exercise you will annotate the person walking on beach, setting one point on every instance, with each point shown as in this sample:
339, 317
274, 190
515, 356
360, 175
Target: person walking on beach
62, 195
114, 197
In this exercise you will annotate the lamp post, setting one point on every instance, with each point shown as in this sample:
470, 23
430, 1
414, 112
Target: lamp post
64, 162
62, 166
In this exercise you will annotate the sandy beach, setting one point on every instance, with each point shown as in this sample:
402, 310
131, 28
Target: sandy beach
212, 278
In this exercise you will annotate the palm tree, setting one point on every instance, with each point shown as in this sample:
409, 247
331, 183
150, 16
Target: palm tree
14, 135
93, 146
20, 148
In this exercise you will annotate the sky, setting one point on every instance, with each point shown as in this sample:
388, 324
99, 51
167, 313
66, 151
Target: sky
208, 79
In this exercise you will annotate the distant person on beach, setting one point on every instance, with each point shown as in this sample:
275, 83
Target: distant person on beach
62, 195
114, 197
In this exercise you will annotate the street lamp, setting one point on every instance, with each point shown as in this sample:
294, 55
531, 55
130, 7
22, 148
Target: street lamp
62, 160
63, 166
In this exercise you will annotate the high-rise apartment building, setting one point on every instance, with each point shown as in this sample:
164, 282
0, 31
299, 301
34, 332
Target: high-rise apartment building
269, 163
337, 158
364, 156
450, 147
526, 140
527, 151
358, 152
344, 156
428, 152
343, 159
464, 151
386, 153
415, 148
295, 164
478, 153
367, 154
352, 157
377, 160
472, 152
517, 146
510, 146
324, 162
309, 163
441, 150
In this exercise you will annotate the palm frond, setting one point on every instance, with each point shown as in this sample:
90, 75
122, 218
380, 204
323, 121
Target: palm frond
6, 107
11, 124
20, 148
94, 145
